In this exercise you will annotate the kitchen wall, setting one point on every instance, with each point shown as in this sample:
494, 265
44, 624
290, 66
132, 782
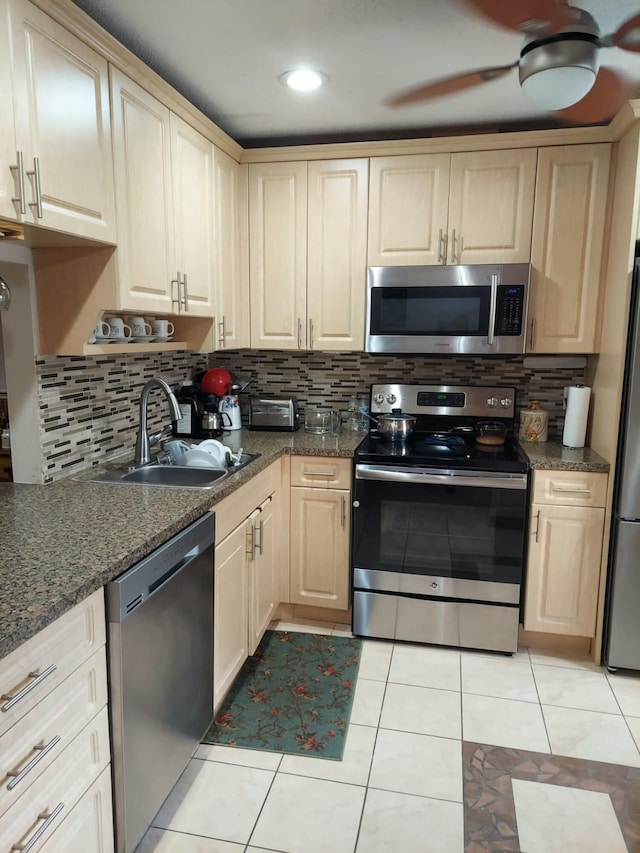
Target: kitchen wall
329, 379
88, 407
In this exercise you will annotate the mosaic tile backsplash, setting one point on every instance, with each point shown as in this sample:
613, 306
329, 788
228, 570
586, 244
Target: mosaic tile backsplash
89, 405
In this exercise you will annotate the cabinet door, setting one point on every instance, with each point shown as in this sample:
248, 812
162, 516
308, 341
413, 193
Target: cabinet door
8, 154
491, 206
278, 255
142, 161
192, 176
62, 126
230, 607
336, 254
231, 252
408, 202
262, 573
566, 254
89, 825
564, 569
320, 547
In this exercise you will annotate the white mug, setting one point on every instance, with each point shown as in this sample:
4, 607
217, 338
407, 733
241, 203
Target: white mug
139, 327
163, 328
118, 328
101, 329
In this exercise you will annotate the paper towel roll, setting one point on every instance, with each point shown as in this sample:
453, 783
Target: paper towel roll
575, 420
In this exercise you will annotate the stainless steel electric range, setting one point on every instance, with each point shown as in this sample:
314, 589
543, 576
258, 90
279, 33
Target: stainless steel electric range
439, 521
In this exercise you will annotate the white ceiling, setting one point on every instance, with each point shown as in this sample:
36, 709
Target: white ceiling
225, 56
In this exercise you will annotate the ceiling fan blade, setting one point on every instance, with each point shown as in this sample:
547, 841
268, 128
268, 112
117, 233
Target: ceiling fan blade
626, 36
602, 102
450, 85
535, 17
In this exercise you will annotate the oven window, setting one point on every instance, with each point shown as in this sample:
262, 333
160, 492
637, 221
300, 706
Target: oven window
433, 311
445, 531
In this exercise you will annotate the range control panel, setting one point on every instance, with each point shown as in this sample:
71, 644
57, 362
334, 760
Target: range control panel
474, 401
509, 311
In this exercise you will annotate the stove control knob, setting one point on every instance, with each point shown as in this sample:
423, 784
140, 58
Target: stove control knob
391, 399
434, 585
506, 402
492, 402
378, 398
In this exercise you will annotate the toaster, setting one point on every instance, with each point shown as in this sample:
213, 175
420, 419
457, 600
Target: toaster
279, 414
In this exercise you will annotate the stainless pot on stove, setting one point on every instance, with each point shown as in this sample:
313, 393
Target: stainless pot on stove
396, 426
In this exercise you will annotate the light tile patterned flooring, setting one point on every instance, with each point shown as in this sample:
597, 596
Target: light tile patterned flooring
399, 786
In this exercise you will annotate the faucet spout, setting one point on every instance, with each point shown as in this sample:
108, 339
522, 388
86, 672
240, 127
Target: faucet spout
142, 453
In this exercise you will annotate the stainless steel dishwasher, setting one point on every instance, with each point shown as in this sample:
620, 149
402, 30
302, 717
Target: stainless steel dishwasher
160, 615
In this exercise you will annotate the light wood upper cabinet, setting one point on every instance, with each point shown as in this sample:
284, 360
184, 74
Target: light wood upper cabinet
408, 209
491, 206
567, 247
336, 254
142, 161
565, 545
231, 252
8, 151
62, 127
192, 175
278, 254
468, 208
307, 254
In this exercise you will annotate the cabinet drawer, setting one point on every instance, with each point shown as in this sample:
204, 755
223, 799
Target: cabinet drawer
570, 488
325, 472
232, 511
40, 736
89, 827
34, 669
58, 789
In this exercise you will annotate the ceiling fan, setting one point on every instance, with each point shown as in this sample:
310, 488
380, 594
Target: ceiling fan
559, 60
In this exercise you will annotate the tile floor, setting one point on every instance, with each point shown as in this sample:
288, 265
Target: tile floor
399, 786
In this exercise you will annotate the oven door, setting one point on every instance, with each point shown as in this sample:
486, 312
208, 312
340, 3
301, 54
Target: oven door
439, 533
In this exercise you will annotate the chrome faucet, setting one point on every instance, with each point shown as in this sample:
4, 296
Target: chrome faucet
143, 444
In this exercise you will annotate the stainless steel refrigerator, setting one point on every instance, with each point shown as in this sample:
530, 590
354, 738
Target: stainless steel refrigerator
622, 615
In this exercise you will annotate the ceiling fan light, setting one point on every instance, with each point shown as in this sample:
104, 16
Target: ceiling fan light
559, 73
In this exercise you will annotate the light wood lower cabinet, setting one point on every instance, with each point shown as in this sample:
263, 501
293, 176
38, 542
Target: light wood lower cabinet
263, 587
563, 571
88, 828
319, 531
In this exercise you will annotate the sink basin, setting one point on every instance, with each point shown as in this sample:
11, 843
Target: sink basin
173, 475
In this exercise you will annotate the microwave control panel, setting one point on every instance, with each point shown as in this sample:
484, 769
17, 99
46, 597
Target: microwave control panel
510, 310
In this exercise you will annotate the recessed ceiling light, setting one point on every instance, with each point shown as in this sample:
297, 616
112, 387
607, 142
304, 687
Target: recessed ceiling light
304, 79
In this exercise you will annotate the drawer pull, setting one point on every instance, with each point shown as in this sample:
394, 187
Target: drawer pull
343, 510
38, 677
256, 528
537, 524
571, 491
37, 835
318, 474
40, 754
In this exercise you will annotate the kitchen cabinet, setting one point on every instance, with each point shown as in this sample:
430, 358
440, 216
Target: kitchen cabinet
63, 178
246, 581
319, 529
88, 825
307, 224
54, 695
8, 152
567, 247
565, 545
466, 208
231, 252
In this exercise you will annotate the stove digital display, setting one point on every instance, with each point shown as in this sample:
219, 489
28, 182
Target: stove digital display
441, 399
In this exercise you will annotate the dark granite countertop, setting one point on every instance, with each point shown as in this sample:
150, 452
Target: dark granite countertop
554, 456
61, 542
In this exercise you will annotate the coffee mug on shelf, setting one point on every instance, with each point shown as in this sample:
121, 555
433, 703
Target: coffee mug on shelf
139, 327
163, 328
101, 330
118, 328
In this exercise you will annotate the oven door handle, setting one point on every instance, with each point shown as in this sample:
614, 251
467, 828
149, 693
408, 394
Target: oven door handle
441, 477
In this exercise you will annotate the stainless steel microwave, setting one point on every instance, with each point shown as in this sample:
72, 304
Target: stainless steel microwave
478, 309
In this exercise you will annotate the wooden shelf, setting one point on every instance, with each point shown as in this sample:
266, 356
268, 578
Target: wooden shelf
108, 349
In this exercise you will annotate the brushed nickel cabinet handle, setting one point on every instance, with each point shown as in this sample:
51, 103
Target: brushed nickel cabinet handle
299, 333
38, 677
343, 510
310, 333
41, 751
40, 831
185, 293
537, 525
19, 199
256, 528
453, 246
570, 491
442, 248
223, 331
37, 188
176, 301
532, 332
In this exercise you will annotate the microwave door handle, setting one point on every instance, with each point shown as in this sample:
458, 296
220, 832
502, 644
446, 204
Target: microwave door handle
491, 333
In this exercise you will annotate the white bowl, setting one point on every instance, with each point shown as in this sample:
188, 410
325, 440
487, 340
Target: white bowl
215, 449
200, 459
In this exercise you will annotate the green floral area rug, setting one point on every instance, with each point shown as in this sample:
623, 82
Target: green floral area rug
293, 695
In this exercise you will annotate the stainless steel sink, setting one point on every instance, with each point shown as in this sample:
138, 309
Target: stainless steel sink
187, 477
